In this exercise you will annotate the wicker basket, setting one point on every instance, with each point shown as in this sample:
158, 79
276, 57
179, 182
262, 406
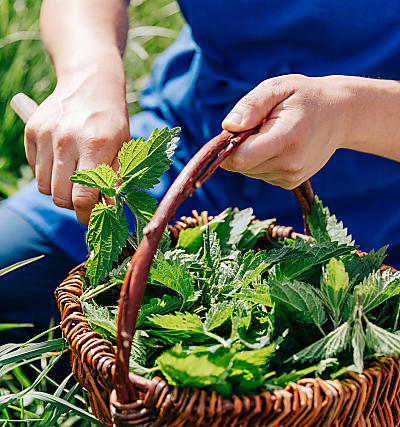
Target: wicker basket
118, 397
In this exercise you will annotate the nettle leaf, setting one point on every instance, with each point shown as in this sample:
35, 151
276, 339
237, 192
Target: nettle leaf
300, 257
259, 295
248, 367
381, 341
325, 227
106, 236
211, 250
143, 206
185, 322
254, 231
103, 178
217, 315
191, 239
147, 160
165, 305
100, 319
329, 346
118, 273
138, 348
335, 287
191, 261
232, 229
374, 290
173, 275
186, 369
301, 297
359, 267
358, 344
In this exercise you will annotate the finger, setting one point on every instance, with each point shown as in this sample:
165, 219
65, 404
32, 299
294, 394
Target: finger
61, 185
44, 163
276, 179
253, 108
30, 145
259, 148
84, 198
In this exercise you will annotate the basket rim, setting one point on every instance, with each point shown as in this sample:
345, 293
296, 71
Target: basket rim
98, 358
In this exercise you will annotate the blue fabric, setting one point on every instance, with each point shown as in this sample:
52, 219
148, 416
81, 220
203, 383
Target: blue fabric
235, 45
27, 293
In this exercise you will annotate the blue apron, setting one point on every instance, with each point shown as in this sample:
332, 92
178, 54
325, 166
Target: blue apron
228, 48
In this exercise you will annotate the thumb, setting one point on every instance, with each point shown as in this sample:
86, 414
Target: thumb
253, 108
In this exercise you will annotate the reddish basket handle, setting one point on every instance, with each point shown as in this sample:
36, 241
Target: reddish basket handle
199, 168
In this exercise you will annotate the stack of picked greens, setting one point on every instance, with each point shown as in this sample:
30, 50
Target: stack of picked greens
218, 314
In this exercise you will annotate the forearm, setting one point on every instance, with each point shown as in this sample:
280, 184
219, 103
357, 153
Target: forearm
373, 113
85, 35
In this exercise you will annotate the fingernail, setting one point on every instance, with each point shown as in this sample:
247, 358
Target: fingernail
233, 119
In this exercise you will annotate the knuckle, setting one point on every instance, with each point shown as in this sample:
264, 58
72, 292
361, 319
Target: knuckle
63, 143
30, 132
61, 202
43, 188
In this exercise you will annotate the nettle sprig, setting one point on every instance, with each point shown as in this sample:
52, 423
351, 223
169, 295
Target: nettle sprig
141, 165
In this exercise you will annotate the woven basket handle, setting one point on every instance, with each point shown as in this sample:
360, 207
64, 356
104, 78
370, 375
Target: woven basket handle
199, 168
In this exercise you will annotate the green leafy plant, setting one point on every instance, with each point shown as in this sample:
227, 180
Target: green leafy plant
219, 315
141, 164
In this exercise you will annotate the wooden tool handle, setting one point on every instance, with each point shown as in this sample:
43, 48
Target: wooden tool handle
23, 106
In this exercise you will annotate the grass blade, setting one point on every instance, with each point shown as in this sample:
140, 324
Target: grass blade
19, 264
65, 405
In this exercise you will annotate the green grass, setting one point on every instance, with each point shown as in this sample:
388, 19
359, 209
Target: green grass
25, 67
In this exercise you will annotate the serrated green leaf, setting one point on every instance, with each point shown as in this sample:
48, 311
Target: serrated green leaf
258, 295
328, 346
194, 369
296, 259
301, 297
232, 229
173, 275
100, 319
138, 349
105, 239
325, 227
358, 344
374, 290
334, 287
211, 250
359, 267
103, 177
185, 322
217, 315
148, 160
254, 231
143, 206
157, 306
248, 367
381, 341
191, 239
120, 270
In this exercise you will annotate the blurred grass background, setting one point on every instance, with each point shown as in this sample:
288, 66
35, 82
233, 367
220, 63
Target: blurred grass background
25, 67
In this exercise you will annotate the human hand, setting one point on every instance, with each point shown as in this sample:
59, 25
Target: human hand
81, 124
305, 120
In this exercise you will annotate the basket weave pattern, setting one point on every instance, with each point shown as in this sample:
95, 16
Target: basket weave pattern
369, 399
120, 398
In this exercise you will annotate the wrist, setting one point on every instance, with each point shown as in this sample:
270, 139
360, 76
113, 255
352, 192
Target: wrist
369, 111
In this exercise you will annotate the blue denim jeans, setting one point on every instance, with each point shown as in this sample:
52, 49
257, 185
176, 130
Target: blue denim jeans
27, 293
